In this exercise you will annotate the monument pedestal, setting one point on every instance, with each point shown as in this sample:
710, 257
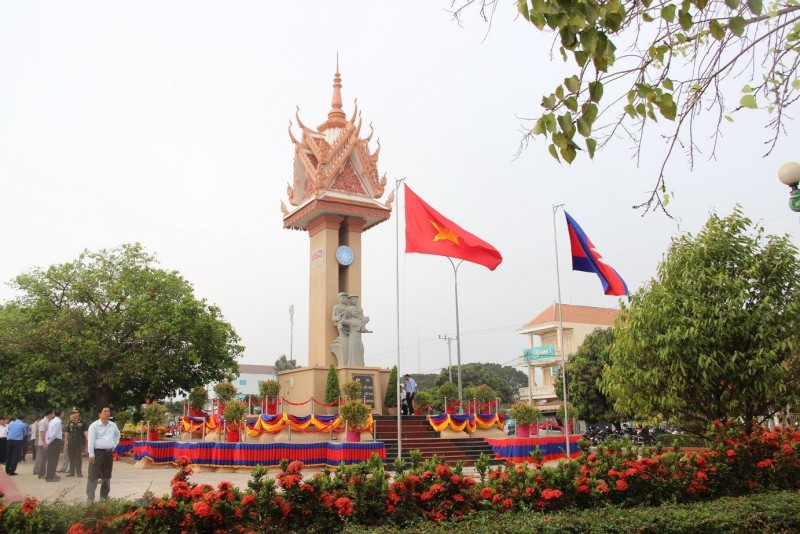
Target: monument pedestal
298, 385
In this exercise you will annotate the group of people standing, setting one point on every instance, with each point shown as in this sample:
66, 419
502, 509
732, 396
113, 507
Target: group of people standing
49, 436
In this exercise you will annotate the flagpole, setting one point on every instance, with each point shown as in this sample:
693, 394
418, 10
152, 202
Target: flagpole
397, 312
458, 337
561, 333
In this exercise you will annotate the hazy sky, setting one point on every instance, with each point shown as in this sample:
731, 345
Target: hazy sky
166, 123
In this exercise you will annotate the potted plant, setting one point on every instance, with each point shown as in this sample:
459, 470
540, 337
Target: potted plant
155, 414
447, 393
225, 391
270, 389
332, 393
352, 390
356, 415
524, 415
198, 398
422, 403
390, 399
234, 415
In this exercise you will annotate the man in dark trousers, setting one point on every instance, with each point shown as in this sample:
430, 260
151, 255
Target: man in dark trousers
411, 390
53, 442
76, 442
17, 429
103, 439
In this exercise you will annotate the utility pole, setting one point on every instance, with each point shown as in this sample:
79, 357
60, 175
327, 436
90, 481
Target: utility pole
291, 332
449, 357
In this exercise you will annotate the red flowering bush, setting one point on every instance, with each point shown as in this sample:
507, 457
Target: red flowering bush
434, 492
617, 474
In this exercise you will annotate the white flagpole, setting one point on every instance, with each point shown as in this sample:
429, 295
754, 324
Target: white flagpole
458, 337
397, 295
561, 334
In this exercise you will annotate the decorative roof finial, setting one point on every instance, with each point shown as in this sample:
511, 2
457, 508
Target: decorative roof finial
336, 115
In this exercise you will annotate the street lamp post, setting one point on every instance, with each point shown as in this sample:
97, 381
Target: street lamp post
789, 174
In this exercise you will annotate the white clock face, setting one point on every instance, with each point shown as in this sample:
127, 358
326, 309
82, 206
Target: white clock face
345, 255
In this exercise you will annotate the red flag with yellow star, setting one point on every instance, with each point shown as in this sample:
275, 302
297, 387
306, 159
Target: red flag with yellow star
430, 232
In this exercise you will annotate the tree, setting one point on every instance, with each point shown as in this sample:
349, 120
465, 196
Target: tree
716, 335
332, 392
284, 364
504, 380
110, 328
679, 57
584, 369
390, 398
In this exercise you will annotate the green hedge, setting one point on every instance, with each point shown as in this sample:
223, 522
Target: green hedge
774, 512
679, 440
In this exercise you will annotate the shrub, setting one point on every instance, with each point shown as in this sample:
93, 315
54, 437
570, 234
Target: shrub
234, 411
352, 390
225, 391
390, 399
155, 413
524, 414
422, 401
269, 389
198, 397
332, 392
447, 391
355, 414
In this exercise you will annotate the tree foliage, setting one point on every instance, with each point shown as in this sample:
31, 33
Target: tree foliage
716, 335
677, 57
284, 364
109, 328
584, 369
505, 380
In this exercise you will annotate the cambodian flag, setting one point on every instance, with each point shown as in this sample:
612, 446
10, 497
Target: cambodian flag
586, 258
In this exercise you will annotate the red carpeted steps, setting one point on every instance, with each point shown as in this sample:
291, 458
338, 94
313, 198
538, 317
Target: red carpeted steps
418, 434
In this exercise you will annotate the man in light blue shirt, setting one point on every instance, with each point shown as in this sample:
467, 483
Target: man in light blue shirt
17, 430
103, 439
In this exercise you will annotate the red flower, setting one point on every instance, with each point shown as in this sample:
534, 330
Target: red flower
602, 488
622, 485
247, 500
344, 506
295, 467
201, 508
507, 503
730, 453
591, 458
486, 493
442, 470
549, 494
78, 528
29, 505
764, 464
583, 489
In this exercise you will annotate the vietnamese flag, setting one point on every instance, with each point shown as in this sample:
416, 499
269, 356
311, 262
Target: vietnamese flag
429, 232
586, 258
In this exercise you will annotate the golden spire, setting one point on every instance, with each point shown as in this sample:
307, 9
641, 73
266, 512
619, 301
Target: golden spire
336, 116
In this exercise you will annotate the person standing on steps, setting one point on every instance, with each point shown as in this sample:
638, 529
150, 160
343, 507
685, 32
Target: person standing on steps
103, 439
411, 390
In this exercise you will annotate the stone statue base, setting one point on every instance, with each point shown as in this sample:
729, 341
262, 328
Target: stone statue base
298, 385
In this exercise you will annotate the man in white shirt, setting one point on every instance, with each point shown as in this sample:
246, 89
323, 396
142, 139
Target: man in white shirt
40, 466
103, 439
411, 390
53, 442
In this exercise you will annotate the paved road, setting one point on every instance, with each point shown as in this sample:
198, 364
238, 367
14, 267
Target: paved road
128, 481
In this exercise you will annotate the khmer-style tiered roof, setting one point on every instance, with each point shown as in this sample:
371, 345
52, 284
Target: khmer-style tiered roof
334, 170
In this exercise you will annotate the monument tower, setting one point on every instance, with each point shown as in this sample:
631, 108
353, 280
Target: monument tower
335, 196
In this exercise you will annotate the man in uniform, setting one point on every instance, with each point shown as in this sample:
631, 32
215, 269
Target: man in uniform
76, 428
